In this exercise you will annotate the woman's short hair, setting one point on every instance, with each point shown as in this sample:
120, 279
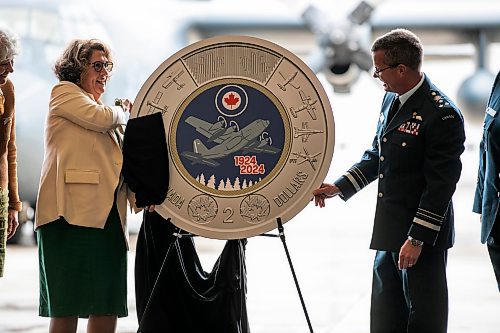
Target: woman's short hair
9, 45
76, 57
400, 46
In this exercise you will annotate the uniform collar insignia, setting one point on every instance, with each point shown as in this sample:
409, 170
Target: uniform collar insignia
438, 99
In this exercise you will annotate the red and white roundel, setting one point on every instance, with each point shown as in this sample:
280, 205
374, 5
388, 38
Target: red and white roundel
231, 100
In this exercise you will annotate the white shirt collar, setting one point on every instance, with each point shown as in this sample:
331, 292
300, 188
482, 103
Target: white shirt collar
403, 98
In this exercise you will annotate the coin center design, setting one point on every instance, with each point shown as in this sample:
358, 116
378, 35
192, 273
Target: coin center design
230, 137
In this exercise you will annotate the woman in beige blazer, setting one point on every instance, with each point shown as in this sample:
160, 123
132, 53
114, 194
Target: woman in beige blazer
81, 205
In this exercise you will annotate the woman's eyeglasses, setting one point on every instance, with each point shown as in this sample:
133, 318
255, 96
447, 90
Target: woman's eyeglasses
99, 65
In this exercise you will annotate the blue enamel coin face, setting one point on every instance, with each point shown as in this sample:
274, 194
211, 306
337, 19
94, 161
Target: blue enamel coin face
249, 133
230, 137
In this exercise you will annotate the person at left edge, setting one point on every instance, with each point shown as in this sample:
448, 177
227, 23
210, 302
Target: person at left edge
81, 206
10, 204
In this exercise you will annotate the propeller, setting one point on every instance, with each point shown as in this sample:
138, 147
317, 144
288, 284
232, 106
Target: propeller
264, 136
234, 125
342, 53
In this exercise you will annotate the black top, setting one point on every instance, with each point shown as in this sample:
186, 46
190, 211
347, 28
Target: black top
145, 159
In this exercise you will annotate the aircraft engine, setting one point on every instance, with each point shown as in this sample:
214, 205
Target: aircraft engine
474, 92
342, 52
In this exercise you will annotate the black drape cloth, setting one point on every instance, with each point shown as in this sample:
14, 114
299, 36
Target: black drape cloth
145, 159
187, 299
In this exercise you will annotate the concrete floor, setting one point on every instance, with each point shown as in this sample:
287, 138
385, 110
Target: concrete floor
333, 265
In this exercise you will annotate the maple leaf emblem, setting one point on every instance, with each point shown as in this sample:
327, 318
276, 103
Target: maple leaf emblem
231, 100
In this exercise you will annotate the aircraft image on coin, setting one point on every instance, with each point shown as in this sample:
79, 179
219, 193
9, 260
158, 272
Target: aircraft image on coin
304, 132
307, 105
240, 152
248, 140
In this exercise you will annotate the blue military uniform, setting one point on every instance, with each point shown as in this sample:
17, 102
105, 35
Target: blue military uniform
487, 196
416, 159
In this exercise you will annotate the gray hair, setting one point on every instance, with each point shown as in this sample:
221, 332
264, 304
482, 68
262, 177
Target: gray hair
9, 45
400, 46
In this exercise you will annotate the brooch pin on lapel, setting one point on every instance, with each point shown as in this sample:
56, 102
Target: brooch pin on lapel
417, 116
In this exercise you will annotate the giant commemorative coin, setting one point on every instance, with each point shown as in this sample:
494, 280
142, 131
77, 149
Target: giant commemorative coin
250, 134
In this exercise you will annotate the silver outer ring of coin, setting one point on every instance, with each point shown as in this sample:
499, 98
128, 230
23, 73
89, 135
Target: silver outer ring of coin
212, 95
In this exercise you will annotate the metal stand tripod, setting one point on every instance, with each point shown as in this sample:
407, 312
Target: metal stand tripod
281, 235
177, 235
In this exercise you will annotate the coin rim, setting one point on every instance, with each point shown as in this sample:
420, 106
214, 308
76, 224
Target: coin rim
300, 202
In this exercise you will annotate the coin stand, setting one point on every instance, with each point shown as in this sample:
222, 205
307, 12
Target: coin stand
281, 234
250, 134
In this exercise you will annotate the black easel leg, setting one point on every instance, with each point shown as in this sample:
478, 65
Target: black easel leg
282, 237
175, 238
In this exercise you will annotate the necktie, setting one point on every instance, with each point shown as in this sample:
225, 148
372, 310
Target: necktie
393, 110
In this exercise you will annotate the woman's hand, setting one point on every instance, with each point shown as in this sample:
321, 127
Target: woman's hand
13, 223
125, 103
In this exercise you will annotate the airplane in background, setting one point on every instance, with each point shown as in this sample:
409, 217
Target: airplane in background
448, 29
333, 42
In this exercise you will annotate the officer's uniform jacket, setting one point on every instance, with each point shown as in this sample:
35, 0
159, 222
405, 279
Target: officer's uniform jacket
416, 158
487, 194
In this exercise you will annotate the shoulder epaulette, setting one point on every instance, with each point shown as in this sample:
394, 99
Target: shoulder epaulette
440, 100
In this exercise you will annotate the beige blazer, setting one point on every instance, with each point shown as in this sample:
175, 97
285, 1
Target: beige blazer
82, 162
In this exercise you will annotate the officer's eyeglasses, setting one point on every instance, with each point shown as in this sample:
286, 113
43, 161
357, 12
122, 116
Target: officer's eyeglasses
376, 72
99, 65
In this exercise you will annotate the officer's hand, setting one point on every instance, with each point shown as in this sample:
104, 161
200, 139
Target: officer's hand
323, 192
408, 255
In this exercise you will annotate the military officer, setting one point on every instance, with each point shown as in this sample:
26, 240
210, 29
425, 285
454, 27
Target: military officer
415, 156
487, 194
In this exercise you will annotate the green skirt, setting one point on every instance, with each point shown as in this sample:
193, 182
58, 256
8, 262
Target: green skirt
83, 271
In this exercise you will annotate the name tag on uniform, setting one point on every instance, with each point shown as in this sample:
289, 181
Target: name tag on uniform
491, 111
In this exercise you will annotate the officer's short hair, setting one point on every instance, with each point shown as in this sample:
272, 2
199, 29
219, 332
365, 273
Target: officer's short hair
401, 46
